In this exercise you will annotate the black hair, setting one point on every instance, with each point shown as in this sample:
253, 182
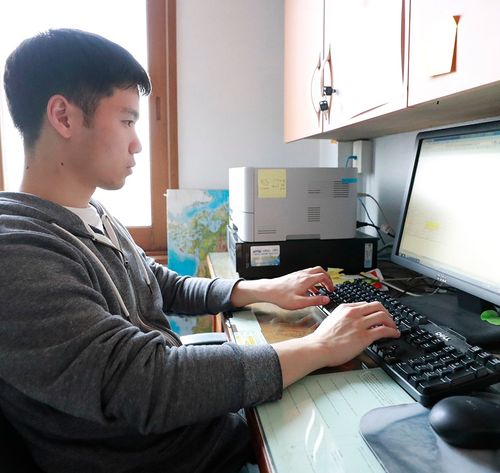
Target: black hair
81, 66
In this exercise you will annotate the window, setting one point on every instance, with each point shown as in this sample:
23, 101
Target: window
147, 29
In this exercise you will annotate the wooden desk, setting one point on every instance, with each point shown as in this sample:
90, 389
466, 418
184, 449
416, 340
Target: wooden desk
276, 325
315, 427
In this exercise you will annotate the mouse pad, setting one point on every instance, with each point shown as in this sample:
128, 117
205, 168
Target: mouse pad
404, 442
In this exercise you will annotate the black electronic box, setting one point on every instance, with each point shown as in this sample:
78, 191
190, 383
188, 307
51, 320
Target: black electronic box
254, 260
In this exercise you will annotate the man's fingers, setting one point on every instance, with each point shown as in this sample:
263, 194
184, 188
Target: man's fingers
383, 331
315, 269
315, 300
372, 314
354, 304
379, 318
320, 278
367, 308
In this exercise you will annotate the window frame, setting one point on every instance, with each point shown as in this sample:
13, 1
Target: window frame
162, 45
1, 167
161, 31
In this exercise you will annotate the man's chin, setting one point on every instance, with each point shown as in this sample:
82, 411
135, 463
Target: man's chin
113, 186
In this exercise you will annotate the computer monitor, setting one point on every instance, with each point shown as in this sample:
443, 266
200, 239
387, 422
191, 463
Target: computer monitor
450, 224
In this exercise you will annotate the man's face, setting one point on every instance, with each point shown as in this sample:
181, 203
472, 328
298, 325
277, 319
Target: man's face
104, 151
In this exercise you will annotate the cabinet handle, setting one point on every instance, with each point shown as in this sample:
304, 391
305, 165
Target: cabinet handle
327, 86
328, 90
320, 96
317, 86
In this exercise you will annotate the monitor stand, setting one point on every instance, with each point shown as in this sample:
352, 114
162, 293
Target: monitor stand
460, 313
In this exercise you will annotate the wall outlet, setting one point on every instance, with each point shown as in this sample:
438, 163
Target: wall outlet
362, 149
344, 151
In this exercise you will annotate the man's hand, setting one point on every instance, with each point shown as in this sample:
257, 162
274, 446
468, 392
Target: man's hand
291, 291
350, 328
345, 333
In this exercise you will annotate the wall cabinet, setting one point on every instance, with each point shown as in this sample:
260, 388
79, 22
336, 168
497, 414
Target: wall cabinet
366, 52
455, 46
388, 66
303, 62
345, 61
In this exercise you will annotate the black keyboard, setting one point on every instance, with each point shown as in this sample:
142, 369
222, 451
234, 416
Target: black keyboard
428, 361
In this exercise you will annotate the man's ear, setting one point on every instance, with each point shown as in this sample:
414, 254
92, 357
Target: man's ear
60, 114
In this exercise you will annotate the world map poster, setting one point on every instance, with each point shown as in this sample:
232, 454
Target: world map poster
196, 225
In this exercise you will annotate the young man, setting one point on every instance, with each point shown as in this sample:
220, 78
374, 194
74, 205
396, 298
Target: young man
90, 374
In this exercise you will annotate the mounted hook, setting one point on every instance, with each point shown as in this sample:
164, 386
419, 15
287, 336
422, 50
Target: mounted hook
329, 90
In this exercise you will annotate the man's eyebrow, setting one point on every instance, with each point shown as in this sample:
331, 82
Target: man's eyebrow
131, 111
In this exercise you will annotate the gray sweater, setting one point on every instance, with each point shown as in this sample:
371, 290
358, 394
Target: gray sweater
90, 373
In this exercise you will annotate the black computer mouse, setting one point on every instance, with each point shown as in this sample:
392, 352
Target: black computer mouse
468, 421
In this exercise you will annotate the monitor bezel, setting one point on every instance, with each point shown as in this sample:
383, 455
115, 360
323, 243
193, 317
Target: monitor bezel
462, 283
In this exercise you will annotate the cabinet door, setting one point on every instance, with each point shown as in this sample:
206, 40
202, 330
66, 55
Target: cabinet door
366, 49
454, 46
303, 59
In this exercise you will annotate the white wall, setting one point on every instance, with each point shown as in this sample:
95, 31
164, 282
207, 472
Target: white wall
230, 94
230, 102
230, 91
392, 166
393, 159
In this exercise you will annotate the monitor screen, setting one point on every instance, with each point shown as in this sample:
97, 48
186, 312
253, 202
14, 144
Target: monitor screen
450, 226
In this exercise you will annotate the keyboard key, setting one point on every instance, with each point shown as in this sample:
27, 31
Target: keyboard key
405, 370
494, 364
461, 377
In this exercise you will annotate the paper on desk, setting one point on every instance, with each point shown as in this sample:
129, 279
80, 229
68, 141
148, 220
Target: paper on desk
249, 338
246, 329
315, 426
245, 321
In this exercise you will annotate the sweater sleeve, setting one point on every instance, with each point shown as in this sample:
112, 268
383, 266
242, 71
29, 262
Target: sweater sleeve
62, 346
192, 295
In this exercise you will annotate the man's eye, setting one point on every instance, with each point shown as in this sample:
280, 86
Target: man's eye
129, 123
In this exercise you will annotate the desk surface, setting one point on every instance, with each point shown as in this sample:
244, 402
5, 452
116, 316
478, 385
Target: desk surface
314, 428
275, 323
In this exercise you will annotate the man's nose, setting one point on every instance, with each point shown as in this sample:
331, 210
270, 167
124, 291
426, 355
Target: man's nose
135, 145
